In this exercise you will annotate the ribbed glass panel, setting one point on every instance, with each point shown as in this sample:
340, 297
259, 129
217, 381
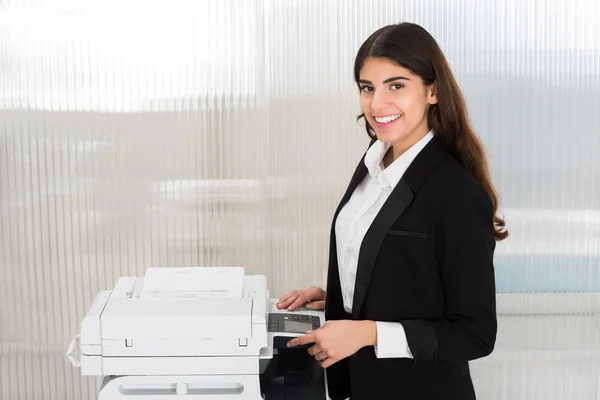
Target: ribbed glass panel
174, 133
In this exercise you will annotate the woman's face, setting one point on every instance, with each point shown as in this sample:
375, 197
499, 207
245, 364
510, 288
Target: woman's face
395, 102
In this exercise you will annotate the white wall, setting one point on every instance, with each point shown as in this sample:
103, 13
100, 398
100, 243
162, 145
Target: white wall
137, 134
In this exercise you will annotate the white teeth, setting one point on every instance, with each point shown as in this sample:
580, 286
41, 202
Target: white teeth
387, 119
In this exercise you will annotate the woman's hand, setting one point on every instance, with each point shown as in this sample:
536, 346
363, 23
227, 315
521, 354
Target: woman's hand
313, 298
337, 340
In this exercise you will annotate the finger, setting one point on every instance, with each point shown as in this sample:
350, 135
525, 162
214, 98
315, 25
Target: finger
286, 303
310, 338
328, 362
286, 296
283, 298
282, 304
316, 305
300, 301
314, 350
321, 356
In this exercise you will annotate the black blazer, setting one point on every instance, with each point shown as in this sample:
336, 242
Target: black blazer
427, 262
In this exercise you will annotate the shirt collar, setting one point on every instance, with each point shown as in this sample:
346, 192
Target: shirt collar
390, 176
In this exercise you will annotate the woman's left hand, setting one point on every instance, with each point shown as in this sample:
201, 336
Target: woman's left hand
336, 340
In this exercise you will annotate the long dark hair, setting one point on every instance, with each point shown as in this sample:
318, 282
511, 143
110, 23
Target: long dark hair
412, 47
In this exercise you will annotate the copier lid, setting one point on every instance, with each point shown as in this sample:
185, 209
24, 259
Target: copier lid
205, 318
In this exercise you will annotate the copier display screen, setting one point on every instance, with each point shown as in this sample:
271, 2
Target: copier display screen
297, 326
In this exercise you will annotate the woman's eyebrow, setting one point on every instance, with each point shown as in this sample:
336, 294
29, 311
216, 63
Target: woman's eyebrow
388, 80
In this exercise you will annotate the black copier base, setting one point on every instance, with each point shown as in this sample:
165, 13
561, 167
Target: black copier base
293, 374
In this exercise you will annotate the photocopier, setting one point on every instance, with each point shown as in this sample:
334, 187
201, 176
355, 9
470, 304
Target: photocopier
196, 333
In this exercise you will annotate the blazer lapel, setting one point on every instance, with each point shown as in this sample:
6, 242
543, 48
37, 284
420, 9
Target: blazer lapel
357, 177
334, 307
395, 205
400, 198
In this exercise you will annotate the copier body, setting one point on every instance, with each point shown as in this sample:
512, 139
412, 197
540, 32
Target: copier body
192, 349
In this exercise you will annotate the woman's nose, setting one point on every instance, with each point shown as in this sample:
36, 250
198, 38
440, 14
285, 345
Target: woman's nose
379, 101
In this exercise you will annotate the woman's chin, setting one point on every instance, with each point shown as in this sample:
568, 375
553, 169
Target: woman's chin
387, 137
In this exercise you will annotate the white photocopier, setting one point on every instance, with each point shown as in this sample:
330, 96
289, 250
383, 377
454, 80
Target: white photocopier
196, 333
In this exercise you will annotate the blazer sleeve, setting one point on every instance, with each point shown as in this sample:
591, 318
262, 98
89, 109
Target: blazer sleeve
465, 245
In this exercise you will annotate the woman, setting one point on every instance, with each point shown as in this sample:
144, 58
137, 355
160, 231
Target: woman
410, 293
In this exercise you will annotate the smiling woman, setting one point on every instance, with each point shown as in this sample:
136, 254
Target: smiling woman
408, 89
410, 296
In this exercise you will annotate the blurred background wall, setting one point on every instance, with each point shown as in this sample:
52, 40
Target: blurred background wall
215, 133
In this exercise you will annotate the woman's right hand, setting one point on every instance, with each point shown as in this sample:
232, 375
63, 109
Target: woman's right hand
313, 298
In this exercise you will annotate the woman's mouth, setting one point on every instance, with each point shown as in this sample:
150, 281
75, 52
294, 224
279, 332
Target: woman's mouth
385, 121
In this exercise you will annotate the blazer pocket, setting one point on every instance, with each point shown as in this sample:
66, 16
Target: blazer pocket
406, 233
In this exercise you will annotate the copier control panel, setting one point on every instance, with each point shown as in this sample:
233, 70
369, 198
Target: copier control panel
294, 323
284, 325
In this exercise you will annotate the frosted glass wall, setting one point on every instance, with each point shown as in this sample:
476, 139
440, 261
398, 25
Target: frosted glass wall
174, 133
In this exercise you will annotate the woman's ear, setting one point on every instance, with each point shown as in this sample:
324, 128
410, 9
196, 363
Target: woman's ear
432, 93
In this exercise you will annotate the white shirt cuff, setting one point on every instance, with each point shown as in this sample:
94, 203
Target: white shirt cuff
391, 341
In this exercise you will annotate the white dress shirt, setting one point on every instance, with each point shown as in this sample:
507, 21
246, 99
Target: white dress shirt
352, 224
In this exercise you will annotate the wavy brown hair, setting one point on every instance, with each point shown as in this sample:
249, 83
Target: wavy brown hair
412, 47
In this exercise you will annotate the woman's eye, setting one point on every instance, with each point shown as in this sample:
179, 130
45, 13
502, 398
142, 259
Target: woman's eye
397, 86
366, 89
